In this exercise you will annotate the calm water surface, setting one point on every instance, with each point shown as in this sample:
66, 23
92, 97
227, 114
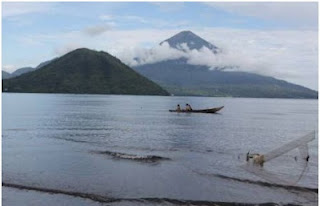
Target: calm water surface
77, 143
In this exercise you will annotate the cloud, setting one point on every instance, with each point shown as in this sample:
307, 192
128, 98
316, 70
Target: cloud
124, 18
288, 55
11, 9
169, 6
303, 15
291, 55
201, 57
9, 68
136, 19
106, 17
140, 56
66, 48
97, 29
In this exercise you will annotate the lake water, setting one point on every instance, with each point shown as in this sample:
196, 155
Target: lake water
132, 150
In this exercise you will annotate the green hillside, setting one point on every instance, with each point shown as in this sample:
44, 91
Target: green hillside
84, 71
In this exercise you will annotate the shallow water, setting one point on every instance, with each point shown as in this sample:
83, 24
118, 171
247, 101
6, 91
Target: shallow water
102, 144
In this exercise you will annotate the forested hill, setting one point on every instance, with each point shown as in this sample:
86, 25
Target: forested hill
84, 71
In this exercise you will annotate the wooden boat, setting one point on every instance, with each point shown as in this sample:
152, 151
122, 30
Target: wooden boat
212, 110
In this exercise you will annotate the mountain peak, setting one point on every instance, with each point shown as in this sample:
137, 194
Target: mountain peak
186, 33
192, 40
81, 50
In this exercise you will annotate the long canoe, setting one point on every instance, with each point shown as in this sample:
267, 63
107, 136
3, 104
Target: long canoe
212, 110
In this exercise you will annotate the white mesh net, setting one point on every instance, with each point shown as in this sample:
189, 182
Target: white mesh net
301, 143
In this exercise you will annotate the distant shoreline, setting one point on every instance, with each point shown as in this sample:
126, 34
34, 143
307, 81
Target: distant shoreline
163, 95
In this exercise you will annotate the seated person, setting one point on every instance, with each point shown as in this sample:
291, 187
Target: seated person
188, 107
178, 107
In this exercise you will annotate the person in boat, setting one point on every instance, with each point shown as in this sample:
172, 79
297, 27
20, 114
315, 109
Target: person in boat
178, 107
188, 107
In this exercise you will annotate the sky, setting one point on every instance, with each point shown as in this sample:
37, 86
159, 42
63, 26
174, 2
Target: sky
275, 39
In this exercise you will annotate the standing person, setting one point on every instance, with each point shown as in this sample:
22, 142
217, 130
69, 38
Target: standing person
188, 107
178, 108
248, 156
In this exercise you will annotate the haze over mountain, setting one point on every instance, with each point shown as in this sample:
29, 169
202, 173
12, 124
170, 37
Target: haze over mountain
5, 75
23, 70
83, 71
182, 77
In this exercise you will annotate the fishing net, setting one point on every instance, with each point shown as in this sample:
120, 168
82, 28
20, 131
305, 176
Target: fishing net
276, 180
300, 143
261, 172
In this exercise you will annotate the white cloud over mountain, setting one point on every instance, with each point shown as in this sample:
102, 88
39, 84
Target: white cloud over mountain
288, 55
284, 54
